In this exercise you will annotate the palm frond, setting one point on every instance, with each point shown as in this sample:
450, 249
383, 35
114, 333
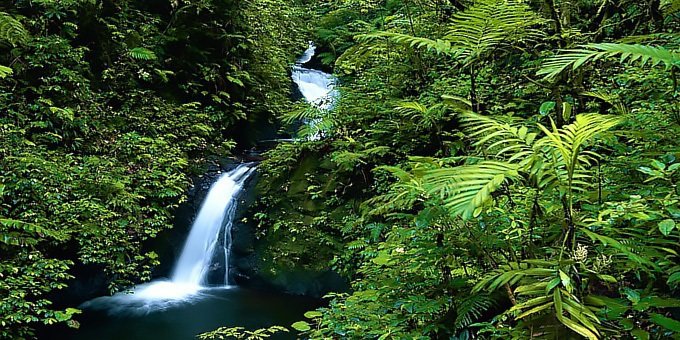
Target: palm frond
465, 189
568, 141
572, 59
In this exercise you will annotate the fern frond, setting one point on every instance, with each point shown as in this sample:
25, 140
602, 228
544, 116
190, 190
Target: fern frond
574, 58
142, 53
5, 71
402, 195
477, 30
489, 24
471, 309
466, 188
515, 142
435, 45
11, 30
669, 7
424, 116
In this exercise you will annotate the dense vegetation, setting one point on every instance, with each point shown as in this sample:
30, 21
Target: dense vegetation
492, 169
107, 109
495, 169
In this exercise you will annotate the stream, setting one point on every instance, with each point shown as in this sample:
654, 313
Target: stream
188, 302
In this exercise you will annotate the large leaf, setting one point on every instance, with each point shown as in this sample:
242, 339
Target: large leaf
466, 188
572, 59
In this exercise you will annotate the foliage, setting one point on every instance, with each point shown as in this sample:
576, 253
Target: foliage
575, 58
241, 333
464, 197
108, 110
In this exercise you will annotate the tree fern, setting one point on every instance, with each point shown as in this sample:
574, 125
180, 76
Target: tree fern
490, 24
142, 53
479, 29
574, 58
11, 30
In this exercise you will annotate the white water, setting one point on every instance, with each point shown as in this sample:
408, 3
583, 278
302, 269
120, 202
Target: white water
215, 218
317, 87
217, 210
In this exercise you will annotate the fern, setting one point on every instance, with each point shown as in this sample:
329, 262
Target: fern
142, 53
471, 309
435, 45
424, 117
502, 138
475, 31
467, 188
11, 30
575, 58
669, 7
401, 196
491, 24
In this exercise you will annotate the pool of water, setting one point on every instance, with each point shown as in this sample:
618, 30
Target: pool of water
211, 309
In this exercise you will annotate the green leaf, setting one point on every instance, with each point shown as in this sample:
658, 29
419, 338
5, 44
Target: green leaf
668, 323
546, 107
142, 53
552, 284
607, 278
640, 334
313, 314
566, 281
5, 71
675, 277
382, 259
301, 326
632, 295
666, 226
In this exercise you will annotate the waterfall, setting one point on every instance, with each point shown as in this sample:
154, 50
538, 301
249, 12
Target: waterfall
214, 219
317, 87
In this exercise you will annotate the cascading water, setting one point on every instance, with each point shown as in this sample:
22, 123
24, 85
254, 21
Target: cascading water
185, 305
214, 219
317, 87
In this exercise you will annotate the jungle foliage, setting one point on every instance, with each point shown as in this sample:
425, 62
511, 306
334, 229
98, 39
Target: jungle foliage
107, 110
493, 169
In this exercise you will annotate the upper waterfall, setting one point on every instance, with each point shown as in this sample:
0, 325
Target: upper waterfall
317, 87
